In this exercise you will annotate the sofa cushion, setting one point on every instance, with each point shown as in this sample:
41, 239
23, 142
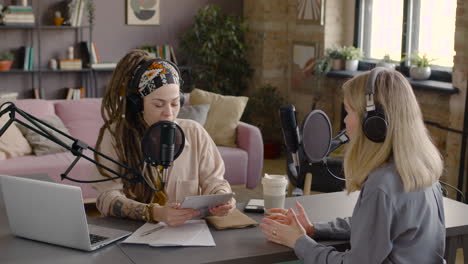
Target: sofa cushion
12, 142
37, 107
83, 125
223, 116
42, 145
197, 113
235, 162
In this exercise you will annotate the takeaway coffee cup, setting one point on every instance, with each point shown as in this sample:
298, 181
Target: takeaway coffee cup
274, 191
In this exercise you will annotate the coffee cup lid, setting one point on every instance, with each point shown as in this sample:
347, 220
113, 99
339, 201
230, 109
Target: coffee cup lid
274, 179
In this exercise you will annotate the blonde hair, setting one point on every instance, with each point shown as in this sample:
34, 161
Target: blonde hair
408, 143
126, 128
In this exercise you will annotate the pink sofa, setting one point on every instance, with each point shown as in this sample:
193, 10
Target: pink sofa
83, 120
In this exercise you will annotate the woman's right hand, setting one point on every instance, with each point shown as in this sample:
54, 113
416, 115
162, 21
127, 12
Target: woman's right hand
279, 214
173, 215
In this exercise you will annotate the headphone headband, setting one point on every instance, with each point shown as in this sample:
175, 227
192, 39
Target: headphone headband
374, 122
370, 87
135, 93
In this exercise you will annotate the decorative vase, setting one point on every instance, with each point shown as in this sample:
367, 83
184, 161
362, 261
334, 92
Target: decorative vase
58, 21
337, 64
420, 73
5, 65
351, 65
387, 65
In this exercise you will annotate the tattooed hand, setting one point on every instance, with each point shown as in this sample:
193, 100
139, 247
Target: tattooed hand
173, 215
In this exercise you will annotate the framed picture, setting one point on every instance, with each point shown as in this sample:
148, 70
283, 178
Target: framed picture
310, 11
304, 55
143, 12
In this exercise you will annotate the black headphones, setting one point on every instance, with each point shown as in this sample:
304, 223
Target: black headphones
134, 99
374, 123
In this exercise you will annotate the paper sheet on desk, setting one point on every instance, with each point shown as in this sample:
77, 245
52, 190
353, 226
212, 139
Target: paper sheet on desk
192, 233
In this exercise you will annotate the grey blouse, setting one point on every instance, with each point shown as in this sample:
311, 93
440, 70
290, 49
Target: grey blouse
388, 225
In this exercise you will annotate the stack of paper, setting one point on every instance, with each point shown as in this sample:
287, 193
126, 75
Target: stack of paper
192, 233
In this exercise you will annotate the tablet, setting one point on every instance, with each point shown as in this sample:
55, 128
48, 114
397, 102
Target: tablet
203, 202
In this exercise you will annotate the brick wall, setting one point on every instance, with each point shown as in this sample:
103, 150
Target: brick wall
457, 102
273, 29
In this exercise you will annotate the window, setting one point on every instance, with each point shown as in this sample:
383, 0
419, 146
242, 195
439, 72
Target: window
401, 27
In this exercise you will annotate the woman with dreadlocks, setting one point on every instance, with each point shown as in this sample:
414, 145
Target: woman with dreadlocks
143, 91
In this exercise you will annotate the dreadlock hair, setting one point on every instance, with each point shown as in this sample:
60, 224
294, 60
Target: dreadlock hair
125, 127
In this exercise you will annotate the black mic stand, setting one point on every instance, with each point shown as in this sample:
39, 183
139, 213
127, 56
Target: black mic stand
76, 149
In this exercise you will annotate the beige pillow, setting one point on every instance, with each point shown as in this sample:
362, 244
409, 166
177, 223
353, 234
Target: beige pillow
12, 142
41, 145
223, 116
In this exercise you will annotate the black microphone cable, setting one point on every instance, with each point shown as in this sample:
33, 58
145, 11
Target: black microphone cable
457, 190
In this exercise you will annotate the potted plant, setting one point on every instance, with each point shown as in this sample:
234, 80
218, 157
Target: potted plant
6, 60
215, 47
386, 62
352, 55
336, 56
262, 110
420, 68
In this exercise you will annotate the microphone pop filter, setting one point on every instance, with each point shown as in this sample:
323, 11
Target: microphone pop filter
316, 136
154, 138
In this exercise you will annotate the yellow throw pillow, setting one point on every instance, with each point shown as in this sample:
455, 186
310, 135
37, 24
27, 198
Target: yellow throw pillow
223, 116
12, 142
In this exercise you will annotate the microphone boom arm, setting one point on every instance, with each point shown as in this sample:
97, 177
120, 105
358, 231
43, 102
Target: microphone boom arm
76, 149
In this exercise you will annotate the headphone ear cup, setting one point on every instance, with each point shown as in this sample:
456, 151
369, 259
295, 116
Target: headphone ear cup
134, 103
374, 126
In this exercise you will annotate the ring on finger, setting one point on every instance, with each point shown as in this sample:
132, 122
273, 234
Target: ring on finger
274, 232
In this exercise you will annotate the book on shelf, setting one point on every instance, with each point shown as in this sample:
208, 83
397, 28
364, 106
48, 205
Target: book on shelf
75, 12
18, 9
165, 52
27, 50
75, 93
17, 15
94, 54
173, 55
31, 59
104, 65
8, 96
73, 64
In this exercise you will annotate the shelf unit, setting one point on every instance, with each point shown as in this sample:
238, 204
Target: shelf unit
36, 73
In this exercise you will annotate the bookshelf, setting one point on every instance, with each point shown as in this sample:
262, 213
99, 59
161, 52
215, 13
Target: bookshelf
35, 40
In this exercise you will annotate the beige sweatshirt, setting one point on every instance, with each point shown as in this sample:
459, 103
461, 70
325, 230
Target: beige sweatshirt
198, 170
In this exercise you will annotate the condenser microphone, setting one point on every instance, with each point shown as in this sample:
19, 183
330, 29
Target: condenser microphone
290, 130
161, 144
167, 147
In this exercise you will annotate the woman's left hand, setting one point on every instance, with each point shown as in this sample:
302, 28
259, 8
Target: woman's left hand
284, 234
223, 209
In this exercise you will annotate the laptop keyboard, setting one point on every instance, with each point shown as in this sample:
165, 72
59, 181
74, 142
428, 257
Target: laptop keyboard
95, 238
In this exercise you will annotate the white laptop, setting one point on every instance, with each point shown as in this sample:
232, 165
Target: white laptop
52, 213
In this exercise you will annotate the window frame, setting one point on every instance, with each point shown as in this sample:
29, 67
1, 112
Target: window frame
409, 39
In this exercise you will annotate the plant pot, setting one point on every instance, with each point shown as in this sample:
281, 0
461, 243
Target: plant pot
58, 21
351, 65
5, 65
418, 73
271, 150
337, 64
387, 65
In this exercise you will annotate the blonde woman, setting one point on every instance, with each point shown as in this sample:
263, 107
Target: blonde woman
399, 216
143, 91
